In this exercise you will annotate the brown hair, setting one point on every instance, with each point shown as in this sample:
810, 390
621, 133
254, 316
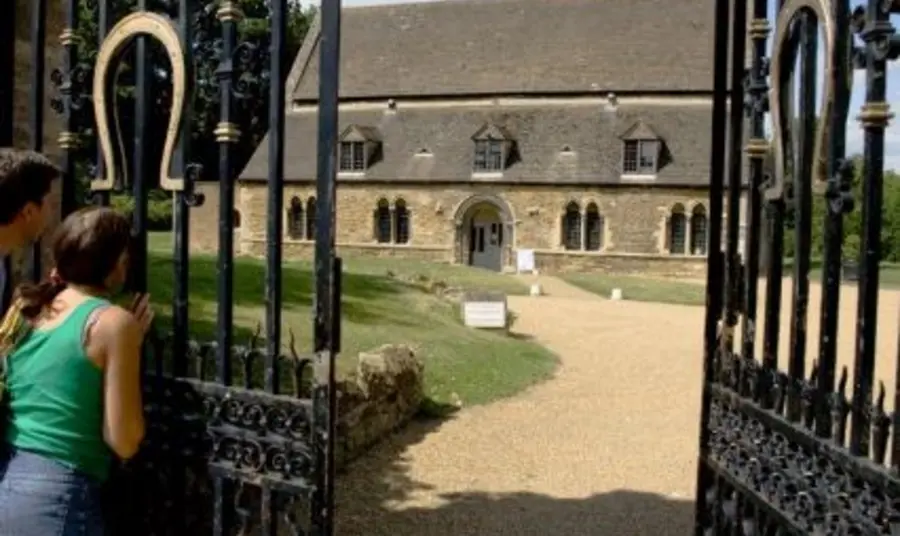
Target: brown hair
86, 247
25, 177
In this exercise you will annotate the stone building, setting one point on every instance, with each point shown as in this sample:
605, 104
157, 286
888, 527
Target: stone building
470, 129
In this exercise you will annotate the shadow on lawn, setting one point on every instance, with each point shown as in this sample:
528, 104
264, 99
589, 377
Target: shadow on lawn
201, 330
368, 487
358, 290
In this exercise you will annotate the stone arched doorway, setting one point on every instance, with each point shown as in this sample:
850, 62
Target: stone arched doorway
484, 232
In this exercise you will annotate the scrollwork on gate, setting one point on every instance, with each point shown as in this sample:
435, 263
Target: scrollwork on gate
786, 41
164, 30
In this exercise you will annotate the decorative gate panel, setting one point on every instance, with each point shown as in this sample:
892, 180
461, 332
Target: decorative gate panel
789, 446
240, 437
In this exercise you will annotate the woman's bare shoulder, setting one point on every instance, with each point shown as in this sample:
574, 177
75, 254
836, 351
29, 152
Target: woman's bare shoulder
115, 322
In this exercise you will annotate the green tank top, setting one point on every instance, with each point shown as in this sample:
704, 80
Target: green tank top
56, 396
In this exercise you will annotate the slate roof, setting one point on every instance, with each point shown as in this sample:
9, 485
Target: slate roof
591, 130
466, 47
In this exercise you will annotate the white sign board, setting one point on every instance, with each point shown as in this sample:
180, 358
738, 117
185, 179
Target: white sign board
485, 314
524, 260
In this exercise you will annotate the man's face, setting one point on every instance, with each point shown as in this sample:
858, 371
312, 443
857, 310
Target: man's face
32, 220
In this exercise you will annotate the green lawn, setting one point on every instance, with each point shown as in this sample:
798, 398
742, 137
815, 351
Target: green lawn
640, 288
687, 292
476, 366
888, 275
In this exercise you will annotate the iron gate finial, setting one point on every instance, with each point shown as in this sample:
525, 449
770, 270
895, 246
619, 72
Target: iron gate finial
785, 45
164, 30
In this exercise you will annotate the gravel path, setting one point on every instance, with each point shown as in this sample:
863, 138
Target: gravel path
606, 447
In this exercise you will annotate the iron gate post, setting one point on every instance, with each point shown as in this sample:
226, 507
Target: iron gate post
227, 134
70, 84
715, 266
877, 33
839, 202
326, 306
756, 150
7, 73
36, 106
274, 230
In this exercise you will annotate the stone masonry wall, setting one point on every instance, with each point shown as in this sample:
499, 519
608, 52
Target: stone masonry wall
383, 394
635, 223
204, 224
22, 98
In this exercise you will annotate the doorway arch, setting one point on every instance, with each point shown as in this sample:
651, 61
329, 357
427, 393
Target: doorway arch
484, 232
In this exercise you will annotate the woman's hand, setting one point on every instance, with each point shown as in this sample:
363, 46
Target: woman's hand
140, 308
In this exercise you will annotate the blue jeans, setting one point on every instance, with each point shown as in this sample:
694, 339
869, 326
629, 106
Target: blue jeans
41, 497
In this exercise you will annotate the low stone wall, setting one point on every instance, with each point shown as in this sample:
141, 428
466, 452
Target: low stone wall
657, 265
383, 394
304, 249
548, 261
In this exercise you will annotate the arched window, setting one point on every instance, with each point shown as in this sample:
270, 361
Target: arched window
401, 222
295, 223
594, 228
311, 218
572, 227
383, 222
698, 230
236, 218
677, 230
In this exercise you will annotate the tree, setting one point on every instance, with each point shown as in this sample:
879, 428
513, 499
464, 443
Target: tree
252, 78
890, 230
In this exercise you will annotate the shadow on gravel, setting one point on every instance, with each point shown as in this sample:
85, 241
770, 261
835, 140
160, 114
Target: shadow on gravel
369, 487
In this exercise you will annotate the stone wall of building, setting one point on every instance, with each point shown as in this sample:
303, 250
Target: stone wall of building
204, 224
634, 231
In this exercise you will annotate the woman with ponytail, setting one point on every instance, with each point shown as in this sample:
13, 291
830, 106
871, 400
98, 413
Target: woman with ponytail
72, 381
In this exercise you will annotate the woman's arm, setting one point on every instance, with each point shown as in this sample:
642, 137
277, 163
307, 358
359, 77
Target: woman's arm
118, 335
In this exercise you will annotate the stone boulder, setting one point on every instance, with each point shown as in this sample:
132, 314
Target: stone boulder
384, 393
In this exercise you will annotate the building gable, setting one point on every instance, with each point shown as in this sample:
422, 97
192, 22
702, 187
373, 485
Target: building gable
491, 131
640, 131
360, 133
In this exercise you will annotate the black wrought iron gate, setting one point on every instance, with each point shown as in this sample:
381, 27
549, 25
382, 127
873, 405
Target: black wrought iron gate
239, 440
775, 455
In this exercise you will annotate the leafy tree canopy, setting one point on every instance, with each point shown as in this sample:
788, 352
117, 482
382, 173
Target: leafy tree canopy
890, 213
252, 77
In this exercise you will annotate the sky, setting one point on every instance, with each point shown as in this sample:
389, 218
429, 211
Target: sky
854, 133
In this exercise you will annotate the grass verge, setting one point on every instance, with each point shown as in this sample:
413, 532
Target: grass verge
463, 364
688, 292
640, 288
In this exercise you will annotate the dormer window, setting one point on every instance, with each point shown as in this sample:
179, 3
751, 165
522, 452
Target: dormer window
492, 148
353, 156
357, 148
641, 157
641, 150
488, 155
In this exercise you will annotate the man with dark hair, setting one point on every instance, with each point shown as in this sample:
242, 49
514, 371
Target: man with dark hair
25, 181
